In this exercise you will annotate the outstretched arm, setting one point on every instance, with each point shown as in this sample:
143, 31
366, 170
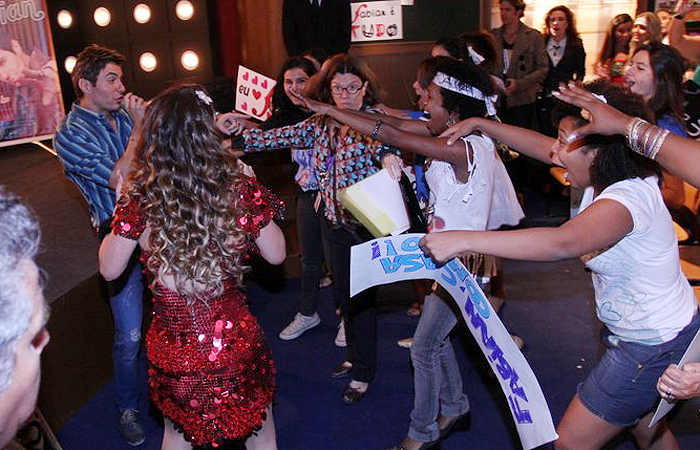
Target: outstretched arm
678, 155
578, 236
528, 142
381, 128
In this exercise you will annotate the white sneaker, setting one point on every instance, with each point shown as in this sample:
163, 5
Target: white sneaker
340, 337
299, 325
405, 342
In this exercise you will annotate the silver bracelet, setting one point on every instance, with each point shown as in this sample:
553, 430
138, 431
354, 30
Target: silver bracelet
657, 147
377, 127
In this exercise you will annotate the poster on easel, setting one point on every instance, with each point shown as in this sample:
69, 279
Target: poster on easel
31, 105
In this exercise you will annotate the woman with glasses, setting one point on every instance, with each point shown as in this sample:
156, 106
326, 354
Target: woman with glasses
342, 157
296, 74
567, 61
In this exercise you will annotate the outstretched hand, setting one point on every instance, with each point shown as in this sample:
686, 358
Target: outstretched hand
604, 119
441, 246
308, 103
231, 122
460, 129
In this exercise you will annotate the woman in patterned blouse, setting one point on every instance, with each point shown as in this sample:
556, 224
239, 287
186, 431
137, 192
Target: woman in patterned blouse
342, 157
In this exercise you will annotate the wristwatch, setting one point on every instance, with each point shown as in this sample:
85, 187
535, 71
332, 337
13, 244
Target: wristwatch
679, 16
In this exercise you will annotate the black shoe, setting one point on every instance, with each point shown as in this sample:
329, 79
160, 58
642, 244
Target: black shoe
460, 423
130, 428
434, 445
341, 370
352, 394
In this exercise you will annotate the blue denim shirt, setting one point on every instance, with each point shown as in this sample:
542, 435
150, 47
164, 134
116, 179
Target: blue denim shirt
88, 148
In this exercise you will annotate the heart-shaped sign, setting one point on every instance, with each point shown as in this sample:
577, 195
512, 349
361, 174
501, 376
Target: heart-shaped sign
256, 94
254, 80
244, 106
245, 76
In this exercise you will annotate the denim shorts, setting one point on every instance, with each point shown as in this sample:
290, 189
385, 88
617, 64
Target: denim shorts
621, 388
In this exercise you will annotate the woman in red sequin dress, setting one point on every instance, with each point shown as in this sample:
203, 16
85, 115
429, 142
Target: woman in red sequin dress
195, 217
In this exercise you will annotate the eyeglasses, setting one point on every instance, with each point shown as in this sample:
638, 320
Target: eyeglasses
351, 89
557, 19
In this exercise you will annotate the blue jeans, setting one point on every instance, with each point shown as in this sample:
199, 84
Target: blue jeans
621, 388
126, 301
437, 380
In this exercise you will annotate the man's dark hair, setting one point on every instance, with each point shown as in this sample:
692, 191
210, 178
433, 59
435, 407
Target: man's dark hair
90, 63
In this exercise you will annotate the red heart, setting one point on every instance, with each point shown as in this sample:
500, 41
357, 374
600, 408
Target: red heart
255, 80
264, 84
245, 76
256, 94
244, 106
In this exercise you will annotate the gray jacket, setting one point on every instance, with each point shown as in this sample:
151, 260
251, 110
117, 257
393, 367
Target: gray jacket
528, 67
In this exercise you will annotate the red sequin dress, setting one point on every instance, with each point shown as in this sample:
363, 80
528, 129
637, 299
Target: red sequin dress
210, 370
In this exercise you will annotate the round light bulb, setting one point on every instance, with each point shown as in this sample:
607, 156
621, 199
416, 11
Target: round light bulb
142, 13
148, 61
102, 16
69, 63
65, 19
189, 60
184, 10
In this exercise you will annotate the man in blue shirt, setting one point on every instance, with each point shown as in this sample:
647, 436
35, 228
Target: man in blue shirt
104, 124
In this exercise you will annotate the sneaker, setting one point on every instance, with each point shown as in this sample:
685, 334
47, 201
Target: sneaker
405, 342
299, 325
325, 281
130, 428
340, 337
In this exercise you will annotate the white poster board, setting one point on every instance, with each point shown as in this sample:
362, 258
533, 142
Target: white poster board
398, 258
376, 21
254, 93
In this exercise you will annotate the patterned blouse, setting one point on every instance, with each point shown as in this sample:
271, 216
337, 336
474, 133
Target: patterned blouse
343, 156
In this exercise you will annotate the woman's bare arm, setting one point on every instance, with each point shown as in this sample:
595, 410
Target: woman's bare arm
527, 142
578, 236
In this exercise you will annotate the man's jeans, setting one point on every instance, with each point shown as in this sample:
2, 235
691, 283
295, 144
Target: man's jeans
126, 301
127, 310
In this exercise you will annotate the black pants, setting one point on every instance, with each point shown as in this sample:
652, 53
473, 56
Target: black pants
358, 312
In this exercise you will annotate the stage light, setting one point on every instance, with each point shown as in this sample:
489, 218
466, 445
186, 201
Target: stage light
69, 63
65, 19
189, 60
184, 10
102, 16
148, 61
142, 13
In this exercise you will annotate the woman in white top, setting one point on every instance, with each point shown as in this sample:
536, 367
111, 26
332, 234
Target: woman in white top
624, 234
469, 190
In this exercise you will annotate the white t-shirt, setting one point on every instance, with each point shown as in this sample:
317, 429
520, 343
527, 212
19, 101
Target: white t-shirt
641, 293
485, 202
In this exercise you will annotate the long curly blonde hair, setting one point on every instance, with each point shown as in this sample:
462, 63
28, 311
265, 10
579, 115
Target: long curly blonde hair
185, 183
